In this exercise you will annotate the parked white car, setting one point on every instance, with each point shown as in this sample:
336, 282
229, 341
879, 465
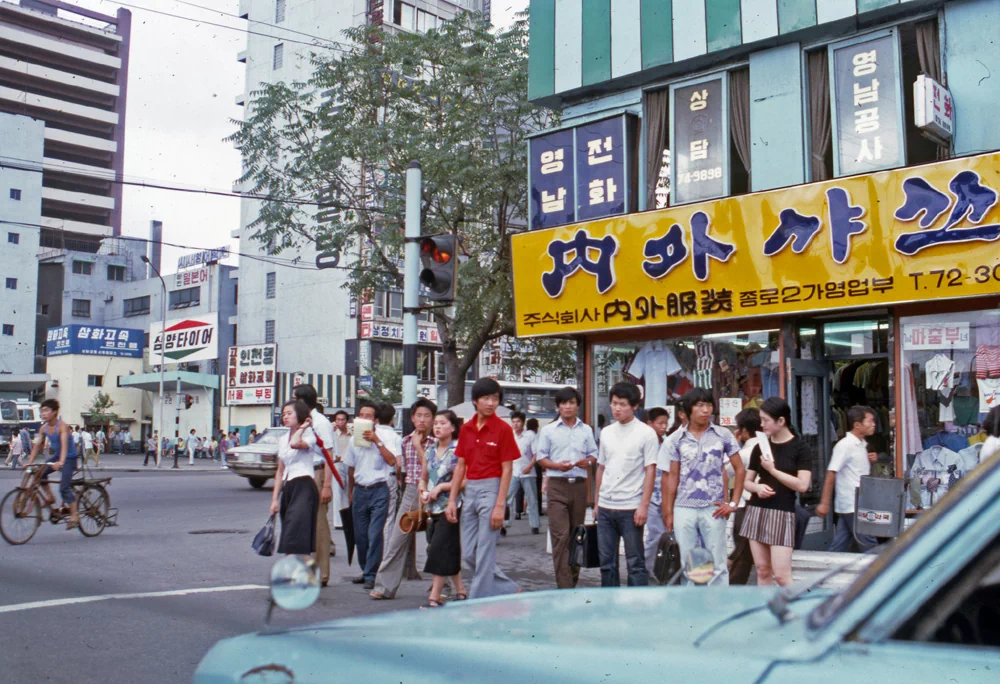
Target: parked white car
257, 462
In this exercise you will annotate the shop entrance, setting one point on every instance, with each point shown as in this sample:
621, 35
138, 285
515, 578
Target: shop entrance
842, 363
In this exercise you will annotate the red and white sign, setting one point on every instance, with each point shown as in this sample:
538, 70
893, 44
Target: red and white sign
191, 278
367, 312
250, 397
250, 374
933, 109
387, 331
921, 336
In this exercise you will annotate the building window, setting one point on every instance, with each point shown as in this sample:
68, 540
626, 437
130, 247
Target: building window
81, 308
15, 194
425, 366
116, 273
390, 354
389, 304
95, 381
43, 309
279, 11
83, 267
272, 278
268, 332
8, 330
14, 238
279, 56
442, 370
136, 306
11, 283
182, 299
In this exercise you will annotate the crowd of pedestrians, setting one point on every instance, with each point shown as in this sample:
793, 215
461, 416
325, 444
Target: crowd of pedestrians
645, 474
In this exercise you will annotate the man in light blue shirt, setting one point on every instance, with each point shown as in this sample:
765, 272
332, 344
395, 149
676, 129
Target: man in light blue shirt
566, 449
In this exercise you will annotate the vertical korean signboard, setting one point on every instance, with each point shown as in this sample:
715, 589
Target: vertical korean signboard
553, 200
867, 106
250, 375
601, 169
699, 141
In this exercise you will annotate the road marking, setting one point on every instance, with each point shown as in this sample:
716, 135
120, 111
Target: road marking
13, 608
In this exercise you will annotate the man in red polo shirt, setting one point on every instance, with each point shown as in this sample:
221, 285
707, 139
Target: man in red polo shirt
486, 453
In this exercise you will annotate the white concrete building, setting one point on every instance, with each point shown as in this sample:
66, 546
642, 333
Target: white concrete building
307, 312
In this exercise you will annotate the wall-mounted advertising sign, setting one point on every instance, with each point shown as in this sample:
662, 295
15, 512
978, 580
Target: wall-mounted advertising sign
699, 140
193, 338
206, 256
250, 374
94, 341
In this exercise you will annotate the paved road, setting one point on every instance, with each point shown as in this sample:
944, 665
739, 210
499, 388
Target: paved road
178, 531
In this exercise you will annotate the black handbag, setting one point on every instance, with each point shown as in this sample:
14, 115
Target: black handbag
583, 552
263, 543
668, 558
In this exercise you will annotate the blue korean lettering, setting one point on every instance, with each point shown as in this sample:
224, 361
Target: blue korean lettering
972, 201
706, 247
843, 223
669, 249
603, 267
795, 228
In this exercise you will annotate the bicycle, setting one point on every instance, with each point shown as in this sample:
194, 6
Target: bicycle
21, 508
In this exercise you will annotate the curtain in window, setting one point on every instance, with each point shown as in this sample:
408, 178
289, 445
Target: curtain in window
739, 114
655, 112
819, 112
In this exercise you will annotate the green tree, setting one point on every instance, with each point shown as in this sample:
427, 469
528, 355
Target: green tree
454, 99
387, 383
100, 411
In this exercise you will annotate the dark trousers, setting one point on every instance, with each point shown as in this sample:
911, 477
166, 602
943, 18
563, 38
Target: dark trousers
567, 510
370, 508
150, 455
612, 526
741, 559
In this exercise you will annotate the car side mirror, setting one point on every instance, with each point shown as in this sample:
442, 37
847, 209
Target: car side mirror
295, 584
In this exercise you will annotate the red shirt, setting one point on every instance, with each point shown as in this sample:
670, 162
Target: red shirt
484, 450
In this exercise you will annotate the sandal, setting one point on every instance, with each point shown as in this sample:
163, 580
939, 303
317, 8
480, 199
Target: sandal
431, 603
70, 525
461, 597
377, 596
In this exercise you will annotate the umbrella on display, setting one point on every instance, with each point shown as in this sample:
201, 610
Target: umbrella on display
347, 518
468, 410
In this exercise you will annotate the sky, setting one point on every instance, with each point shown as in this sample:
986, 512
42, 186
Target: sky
182, 87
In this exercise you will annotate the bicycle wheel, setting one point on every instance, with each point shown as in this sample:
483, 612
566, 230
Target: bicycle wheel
20, 516
93, 502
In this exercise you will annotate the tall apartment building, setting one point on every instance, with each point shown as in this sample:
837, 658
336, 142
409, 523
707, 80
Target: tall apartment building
63, 74
308, 313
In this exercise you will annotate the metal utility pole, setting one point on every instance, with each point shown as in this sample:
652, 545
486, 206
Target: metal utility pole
163, 358
177, 421
411, 290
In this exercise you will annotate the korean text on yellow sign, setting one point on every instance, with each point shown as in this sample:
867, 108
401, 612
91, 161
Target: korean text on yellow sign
928, 232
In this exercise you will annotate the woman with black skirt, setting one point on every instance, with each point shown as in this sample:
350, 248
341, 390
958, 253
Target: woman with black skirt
444, 550
785, 468
295, 496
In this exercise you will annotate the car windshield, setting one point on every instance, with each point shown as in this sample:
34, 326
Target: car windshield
271, 436
827, 610
8, 410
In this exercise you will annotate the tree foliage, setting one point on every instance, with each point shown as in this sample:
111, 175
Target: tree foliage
454, 99
387, 383
100, 411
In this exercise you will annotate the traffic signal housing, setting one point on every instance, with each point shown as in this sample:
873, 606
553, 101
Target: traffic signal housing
439, 272
188, 401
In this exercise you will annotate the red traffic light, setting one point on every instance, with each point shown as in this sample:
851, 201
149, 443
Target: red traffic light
430, 250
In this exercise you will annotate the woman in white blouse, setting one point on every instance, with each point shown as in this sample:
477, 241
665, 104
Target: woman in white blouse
295, 495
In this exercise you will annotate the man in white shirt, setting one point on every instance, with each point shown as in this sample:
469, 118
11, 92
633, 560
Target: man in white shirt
368, 468
100, 438
524, 472
342, 441
850, 462
393, 442
88, 448
323, 429
626, 467
193, 444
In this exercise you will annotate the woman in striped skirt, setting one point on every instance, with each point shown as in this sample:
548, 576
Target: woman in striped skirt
785, 467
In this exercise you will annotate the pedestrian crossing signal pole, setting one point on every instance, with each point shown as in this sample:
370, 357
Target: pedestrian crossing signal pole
177, 421
411, 290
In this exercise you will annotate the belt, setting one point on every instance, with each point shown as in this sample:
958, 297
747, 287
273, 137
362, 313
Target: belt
570, 480
373, 486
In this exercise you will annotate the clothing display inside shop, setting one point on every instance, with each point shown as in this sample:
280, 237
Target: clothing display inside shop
950, 379
741, 365
863, 383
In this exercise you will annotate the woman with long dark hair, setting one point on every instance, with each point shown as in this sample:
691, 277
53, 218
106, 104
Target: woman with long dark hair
444, 550
295, 495
784, 467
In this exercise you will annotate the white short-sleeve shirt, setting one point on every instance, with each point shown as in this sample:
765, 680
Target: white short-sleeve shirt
850, 462
297, 462
625, 452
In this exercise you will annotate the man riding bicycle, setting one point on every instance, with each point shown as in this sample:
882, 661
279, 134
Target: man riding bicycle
59, 436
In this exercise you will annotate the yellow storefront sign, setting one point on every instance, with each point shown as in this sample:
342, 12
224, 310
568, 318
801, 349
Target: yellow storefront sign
928, 232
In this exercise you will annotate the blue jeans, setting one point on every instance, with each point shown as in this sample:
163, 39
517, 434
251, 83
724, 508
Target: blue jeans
370, 508
690, 524
526, 485
479, 540
843, 540
65, 478
654, 530
612, 526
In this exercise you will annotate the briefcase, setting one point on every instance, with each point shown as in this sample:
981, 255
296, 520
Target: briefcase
583, 551
668, 558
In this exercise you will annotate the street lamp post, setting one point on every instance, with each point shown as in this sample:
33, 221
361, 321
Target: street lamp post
163, 302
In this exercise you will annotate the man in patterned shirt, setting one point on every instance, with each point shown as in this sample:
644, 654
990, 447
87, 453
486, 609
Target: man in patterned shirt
390, 572
694, 497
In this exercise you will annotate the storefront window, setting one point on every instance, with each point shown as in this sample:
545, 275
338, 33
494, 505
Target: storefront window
950, 378
855, 338
741, 367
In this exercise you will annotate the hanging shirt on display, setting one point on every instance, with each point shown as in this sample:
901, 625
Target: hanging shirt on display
989, 394
653, 364
936, 469
987, 361
706, 361
939, 373
810, 416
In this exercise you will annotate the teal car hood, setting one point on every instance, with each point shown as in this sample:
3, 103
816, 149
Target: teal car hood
620, 635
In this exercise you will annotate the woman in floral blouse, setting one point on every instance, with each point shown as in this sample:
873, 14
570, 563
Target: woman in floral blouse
444, 550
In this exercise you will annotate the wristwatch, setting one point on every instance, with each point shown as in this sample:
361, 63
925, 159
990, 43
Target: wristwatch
732, 504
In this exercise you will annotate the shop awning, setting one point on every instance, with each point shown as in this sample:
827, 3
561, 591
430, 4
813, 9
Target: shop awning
26, 382
150, 382
334, 391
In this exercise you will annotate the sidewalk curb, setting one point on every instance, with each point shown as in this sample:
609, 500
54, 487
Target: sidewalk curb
162, 469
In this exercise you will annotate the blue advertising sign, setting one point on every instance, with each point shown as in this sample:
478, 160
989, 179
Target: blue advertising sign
94, 341
551, 175
601, 169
